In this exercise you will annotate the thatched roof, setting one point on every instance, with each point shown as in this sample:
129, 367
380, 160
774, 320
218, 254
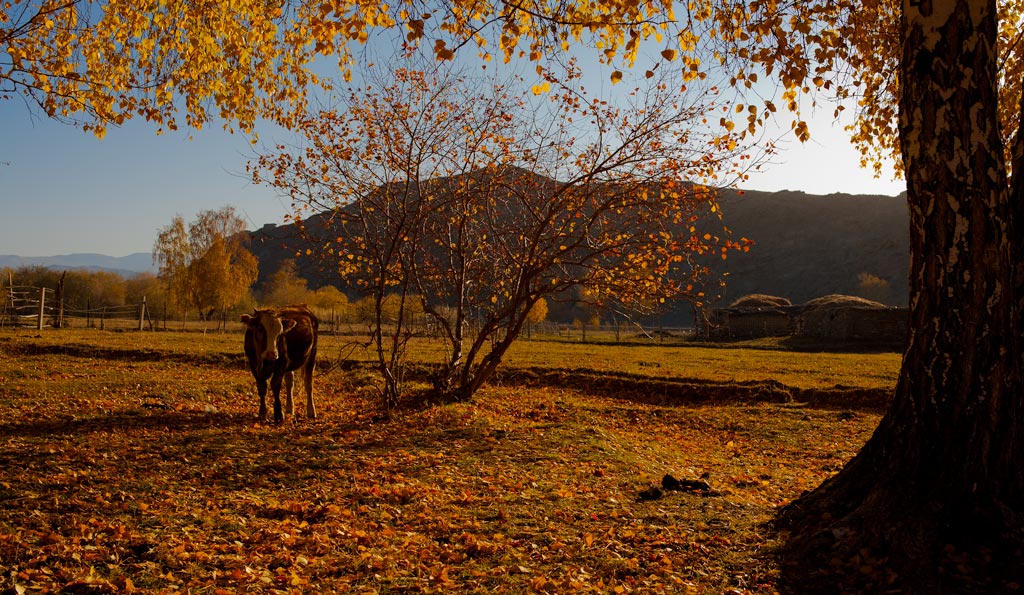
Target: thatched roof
841, 301
759, 300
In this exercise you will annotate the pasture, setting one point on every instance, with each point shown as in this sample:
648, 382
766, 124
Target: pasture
132, 462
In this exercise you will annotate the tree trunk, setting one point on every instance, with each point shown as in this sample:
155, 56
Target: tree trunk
933, 502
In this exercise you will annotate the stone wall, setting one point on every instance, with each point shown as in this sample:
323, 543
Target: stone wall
854, 324
837, 324
750, 323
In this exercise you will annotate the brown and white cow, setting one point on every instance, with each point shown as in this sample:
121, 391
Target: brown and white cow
279, 341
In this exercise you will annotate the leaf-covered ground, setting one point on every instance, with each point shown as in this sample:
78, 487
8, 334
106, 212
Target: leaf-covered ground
145, 471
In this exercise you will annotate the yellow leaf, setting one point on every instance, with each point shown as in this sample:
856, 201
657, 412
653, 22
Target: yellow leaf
669, 55
616, 77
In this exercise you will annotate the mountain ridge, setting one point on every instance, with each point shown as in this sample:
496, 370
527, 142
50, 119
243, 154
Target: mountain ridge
129, 265
805, 246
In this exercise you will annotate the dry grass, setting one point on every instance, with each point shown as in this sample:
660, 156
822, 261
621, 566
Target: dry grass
751, 361
131, 462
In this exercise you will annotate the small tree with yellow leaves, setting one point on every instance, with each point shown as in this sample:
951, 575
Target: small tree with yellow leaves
206, 267
475, 202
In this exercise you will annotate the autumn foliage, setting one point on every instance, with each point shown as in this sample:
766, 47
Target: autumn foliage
206, 267
100, 64
937, 86
132, 463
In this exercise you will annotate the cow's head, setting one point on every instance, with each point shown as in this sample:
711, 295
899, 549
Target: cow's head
265, 327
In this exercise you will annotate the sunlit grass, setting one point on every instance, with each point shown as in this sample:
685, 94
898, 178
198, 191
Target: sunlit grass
729, 363
134, 462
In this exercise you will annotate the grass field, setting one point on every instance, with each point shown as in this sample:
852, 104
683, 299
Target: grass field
132, 462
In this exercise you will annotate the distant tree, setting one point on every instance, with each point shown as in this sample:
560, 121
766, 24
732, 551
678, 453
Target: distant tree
172, 253
206, 268
147, 286
330, 298
538, 314
873, 287
225, 273
285, 287
32, 276
93, 289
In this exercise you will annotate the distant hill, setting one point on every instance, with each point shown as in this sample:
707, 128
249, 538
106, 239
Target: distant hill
806, 246
139, 262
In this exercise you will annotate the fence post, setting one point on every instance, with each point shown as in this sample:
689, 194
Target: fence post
60, 300
142, 312
42, 307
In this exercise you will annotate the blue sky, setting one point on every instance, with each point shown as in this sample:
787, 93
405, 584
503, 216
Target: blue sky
64, 191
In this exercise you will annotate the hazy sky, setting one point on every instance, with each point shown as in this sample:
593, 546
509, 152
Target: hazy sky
64, 191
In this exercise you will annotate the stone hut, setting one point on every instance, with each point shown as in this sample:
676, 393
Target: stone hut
752, 316
832, 319
844, 318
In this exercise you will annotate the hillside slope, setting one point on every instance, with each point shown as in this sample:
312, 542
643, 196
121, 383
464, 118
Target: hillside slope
806, 246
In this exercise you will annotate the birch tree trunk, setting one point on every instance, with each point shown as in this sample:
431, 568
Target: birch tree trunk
933, 502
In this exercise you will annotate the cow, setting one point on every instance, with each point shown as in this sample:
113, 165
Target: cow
279, 341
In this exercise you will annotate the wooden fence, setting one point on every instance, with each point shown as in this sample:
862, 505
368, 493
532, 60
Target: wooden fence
42, 307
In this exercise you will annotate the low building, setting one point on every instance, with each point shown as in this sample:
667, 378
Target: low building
833, 319
752, 316
842, 318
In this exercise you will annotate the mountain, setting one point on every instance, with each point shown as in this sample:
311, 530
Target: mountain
805, 246
139, 262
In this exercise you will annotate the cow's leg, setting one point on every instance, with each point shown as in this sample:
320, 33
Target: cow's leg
261, 390
275, 387
307, 381
289, 405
